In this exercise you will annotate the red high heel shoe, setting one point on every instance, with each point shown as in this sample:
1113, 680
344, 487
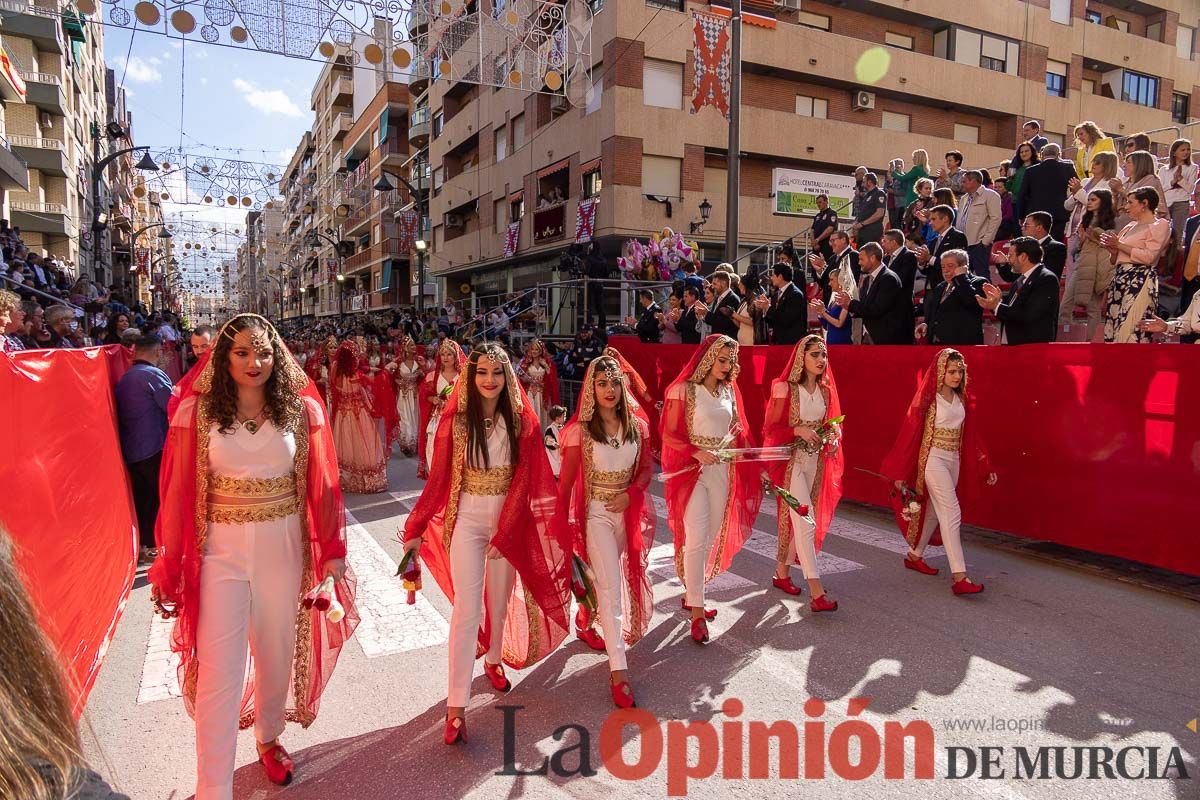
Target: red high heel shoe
823, 603
456, 730
785, 585
919, 565
965, 586
622, 694
709, 613
700, 631
278, 765
584, 630
495, 674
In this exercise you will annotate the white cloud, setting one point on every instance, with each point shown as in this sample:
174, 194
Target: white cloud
268, 101
142, 71
203, 81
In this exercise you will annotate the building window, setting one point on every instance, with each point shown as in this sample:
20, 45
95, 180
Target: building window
895, 122
670, 5
1154, 31
1056, 78
592, 184
808, 20
1185, 38
898, 40
1060, 11
966, 133
518, 132
1180, 107
1093, 17
977, 49
812, 107
1140, 89
594, 94
662, 83
501, 143
438, 121
516, 209
660, 175
1055, 138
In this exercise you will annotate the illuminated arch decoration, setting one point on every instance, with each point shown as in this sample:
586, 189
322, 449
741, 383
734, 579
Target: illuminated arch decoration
189, 179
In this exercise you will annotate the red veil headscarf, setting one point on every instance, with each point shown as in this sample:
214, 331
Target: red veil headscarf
528, 534
637, 386
550, 391
182, 527
745, 484
383, 394
909, 453
427, 388
783, 415
574, 483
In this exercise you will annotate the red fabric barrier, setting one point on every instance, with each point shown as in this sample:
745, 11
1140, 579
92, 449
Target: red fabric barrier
1096, 446
66, 498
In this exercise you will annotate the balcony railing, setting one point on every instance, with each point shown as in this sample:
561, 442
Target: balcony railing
34, 141
388, 248
549, 223
42, 77
39, 208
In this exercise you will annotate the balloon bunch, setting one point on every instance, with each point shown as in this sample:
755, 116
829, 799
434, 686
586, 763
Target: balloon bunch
661, 259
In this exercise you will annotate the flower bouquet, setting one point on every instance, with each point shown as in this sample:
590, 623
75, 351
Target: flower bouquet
410, 572
581, 584
323, 597
910, 503
789, 499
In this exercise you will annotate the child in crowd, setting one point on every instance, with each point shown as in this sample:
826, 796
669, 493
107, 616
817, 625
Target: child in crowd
558, 418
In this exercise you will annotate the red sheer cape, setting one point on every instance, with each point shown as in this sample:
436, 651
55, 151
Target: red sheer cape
528, 535
782, 417
909, 453
745, 486
425, 407
650, 407
574, 481
182, 525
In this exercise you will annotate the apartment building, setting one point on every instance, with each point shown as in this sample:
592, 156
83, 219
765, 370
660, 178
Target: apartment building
60, 56
826, 86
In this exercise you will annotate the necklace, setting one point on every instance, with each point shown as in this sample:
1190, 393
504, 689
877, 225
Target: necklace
488, 424
251, 423
613, 441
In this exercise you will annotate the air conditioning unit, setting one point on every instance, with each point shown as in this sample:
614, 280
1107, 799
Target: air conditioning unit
559, 104
45, 121
454, 221
793, 5
864, 101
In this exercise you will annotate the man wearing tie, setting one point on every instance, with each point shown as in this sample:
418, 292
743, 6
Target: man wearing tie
952, 314
899, 259
1054, 252
845, 263
1029, 314
787, 311
688, 324
720, 318
886, 313
948, 238
979, 218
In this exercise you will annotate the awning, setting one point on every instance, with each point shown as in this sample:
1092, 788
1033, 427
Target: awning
515, 197
553, 168
756, 12
591, 166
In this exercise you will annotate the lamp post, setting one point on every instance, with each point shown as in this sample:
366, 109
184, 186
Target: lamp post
313, 239
114, 131
384, 185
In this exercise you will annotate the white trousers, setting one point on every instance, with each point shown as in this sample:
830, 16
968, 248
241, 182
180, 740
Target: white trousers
701, 523
941, 476
470, 568
606, 553
803, 548
249, 596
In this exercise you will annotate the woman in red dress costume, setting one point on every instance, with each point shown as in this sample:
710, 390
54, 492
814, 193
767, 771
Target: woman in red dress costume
360, 450
938, 449
711, 504
803, 399
251, 520
486, 530
432, 398
602, 497
539, 377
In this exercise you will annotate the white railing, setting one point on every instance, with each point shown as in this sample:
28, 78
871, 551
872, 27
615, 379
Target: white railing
33, 141
43, 77
39, 208
28, 8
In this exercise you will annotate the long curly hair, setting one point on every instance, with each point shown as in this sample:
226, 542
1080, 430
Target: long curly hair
284, 407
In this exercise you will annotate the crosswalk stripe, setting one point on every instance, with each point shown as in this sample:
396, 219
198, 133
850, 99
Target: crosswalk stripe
160, 667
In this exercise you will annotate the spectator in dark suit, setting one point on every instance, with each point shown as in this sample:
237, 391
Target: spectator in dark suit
899, 259
845, 257
1054, 253
689, 323
787, 310
941, 219
1029, 313
1044, 188
646, 324
952, 314
725, 305
885, 311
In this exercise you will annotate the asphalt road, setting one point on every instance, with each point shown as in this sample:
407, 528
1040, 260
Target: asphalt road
1047, 657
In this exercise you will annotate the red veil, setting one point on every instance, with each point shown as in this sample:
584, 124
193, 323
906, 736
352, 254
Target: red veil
783, 415
550, 391
182, 527
745, 486
906, 460
428, 388
527, 534
635, 384
575, 480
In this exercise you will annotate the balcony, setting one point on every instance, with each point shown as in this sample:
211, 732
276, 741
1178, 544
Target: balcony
418, 128
43, 25
49, 218
549, 223
44, 90
342, 90
370, 210
342, 124
418, 20
46, 155
14, 173
388, 248
418, 75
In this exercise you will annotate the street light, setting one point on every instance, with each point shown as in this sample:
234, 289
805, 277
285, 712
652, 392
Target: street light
385, 185
705, 211
114, 130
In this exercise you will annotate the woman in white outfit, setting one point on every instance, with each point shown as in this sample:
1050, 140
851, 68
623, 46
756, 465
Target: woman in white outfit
602, 497
407, 375
432, 399
937, 452
235, 560
711, 503
804, 401
485, 527
540, 378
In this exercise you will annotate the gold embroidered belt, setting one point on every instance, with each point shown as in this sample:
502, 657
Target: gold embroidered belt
947, 439
252, 487
709, 442
487, 482
607, 485
241, 500
408, 384
803, 446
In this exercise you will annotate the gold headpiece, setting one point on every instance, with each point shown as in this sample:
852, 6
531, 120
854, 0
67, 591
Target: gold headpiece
797, 373
710, 357
267, 338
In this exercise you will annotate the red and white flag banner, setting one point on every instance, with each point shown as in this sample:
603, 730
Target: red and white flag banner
711, 56
511, 238
585, 220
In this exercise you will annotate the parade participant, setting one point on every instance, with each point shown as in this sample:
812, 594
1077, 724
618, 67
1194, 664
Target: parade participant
602, 497
317, 367
711, 504
938, 449
251, 520
552, 433
539, 376
407, 374
362, 459
804, 400
637, 387
485, 528
431, 399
